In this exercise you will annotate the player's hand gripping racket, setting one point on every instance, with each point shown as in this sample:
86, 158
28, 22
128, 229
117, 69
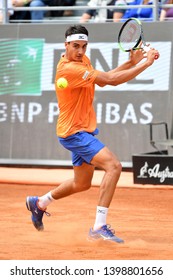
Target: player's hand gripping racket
131, 35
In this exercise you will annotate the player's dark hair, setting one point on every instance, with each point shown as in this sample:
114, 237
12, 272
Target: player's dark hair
76, 29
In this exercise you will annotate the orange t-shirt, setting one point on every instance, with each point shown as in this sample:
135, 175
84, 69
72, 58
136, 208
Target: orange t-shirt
76, 111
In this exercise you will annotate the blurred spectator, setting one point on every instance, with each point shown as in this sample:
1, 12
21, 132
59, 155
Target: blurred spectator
103, 14
69, 3
33, 15
20, 15
10, 12
141, 13
166, 13
37, 15
57, 13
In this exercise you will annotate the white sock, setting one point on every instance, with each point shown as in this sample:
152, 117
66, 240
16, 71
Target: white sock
45, 200
101, 216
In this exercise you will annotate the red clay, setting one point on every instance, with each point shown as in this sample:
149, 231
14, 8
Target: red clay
141, 216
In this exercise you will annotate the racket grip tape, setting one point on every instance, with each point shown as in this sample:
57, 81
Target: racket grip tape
146, 48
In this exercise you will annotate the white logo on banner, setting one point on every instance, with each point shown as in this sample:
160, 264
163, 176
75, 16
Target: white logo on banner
155, 78
155, 172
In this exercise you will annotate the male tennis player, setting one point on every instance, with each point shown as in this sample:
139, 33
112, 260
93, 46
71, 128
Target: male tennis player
77, 128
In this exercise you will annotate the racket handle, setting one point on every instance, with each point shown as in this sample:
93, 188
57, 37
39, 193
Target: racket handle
146, 49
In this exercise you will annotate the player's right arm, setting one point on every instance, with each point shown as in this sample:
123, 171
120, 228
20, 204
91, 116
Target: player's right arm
128, 70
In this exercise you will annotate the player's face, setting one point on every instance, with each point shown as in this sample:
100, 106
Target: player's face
75, 50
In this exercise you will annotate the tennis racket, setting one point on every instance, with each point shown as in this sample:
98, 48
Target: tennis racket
131, 35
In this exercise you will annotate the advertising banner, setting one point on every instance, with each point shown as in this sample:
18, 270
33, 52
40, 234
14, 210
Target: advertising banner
29, 110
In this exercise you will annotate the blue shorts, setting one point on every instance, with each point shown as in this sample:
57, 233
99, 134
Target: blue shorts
83, 145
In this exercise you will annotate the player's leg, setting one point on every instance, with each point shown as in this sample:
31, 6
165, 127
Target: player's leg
107, 161
37, 205
82, 181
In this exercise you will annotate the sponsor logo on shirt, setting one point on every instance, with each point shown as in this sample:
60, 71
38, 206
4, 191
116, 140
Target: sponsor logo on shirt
85, 75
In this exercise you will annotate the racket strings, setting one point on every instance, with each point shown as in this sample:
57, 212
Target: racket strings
130, 35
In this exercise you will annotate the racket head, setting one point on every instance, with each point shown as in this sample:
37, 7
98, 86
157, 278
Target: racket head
129, 36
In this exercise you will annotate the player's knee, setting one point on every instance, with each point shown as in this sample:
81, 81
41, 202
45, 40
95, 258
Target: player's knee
82, 187
86, 187
115, 167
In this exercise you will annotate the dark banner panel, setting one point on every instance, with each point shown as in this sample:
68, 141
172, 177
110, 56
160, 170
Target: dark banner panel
28, 107
152, 169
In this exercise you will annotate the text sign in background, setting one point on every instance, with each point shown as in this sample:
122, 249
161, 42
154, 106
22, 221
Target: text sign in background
153, 169
28, 105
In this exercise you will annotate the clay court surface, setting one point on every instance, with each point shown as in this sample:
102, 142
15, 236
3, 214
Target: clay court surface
141, 215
